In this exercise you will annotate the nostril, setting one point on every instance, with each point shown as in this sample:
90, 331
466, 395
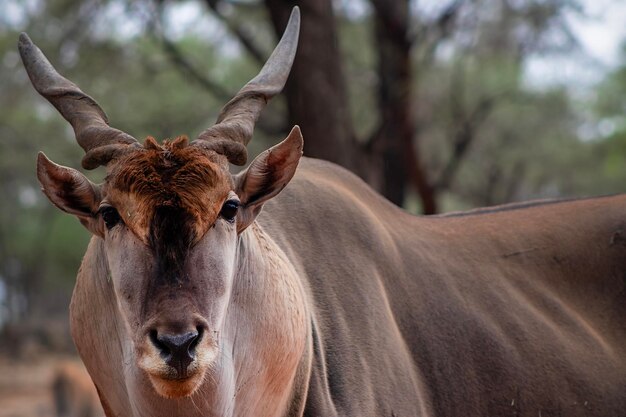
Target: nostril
177, 348
154, 338
196, 340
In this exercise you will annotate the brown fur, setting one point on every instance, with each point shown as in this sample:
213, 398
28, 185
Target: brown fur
174, 175
175, 271
514, 312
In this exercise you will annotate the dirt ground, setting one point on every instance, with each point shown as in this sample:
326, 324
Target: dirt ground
26, 387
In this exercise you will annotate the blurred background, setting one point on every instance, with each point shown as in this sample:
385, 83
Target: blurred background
440, 105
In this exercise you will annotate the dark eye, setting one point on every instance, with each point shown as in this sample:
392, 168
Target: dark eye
229, 210
110, 216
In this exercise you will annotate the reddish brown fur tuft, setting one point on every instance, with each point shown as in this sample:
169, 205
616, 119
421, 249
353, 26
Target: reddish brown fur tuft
185, 178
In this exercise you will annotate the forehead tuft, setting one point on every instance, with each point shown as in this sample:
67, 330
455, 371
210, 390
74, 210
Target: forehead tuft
185, 178
161, 170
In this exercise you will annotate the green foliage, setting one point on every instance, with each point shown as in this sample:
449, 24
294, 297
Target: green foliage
608, 145
131, 78
526, 143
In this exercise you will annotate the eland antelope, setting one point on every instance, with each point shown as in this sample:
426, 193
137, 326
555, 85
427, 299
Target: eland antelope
192, 301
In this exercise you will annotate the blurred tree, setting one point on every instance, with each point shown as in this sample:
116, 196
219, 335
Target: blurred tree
389, 155
426, 101
605, 134
40, 248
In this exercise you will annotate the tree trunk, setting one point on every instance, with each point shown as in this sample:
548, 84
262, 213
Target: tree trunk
317, 98
316, 89
394, 142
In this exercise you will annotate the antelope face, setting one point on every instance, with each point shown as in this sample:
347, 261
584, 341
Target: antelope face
167, 217
170, 217
169, 214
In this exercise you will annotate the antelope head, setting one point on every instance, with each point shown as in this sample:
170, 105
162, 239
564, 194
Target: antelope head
169, 215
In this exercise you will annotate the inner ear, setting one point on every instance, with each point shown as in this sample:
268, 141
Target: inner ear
68, 189
267, 175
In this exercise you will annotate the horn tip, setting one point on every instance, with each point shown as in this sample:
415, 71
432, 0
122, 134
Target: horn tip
24, 41
295, 11
24, 38
294, 18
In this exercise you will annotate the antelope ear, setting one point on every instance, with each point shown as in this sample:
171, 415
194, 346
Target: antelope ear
266, 176
70, 191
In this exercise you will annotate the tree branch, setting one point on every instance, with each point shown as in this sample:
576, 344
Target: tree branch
185, 67
246, 40
179, 60
252, 5
464, 136
418, 177
430, 35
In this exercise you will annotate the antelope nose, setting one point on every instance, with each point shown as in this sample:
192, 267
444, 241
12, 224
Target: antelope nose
178, 350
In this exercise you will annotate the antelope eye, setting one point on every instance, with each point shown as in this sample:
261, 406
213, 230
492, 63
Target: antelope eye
229, 210
110, 216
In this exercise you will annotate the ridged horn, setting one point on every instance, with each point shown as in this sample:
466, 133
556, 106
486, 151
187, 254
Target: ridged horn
235, 124
91, 127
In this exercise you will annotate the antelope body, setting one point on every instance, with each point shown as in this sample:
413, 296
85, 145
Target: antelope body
332, 301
